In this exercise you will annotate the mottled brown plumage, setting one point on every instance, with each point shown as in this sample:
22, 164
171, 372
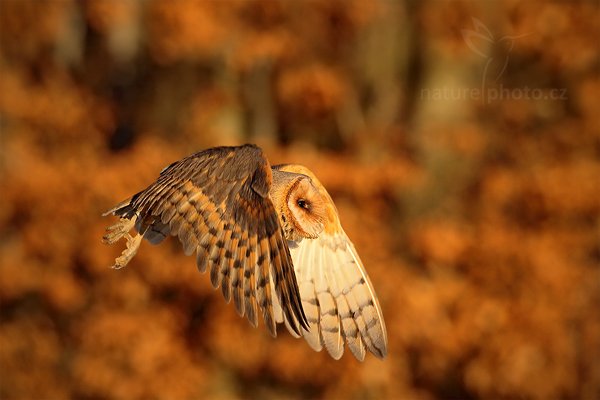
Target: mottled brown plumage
217, 202
242, 218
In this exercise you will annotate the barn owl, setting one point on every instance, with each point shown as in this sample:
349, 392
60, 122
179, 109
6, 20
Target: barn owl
270, 237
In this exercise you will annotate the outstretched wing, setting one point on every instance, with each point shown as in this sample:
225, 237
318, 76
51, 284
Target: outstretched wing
217, 203
337, 295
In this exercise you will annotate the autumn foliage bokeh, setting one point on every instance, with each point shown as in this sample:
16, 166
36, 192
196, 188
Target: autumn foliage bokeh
477, 217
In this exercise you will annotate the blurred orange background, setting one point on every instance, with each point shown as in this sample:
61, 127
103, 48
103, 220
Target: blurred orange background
460, 141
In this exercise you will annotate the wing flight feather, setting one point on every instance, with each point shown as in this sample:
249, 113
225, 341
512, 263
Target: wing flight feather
217, 203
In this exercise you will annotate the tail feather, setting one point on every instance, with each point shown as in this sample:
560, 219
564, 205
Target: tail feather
120, 209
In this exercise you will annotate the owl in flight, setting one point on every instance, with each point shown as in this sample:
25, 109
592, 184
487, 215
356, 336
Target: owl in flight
270, 237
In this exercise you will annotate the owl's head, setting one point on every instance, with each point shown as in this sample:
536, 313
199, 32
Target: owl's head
301, 208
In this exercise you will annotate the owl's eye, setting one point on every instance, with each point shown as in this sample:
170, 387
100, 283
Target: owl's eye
303, 204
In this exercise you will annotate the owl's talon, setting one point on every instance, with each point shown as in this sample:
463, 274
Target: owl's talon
118, 230
133, 244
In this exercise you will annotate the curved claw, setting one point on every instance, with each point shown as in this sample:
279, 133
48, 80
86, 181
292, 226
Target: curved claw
118, 230
121, 229
133, 244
